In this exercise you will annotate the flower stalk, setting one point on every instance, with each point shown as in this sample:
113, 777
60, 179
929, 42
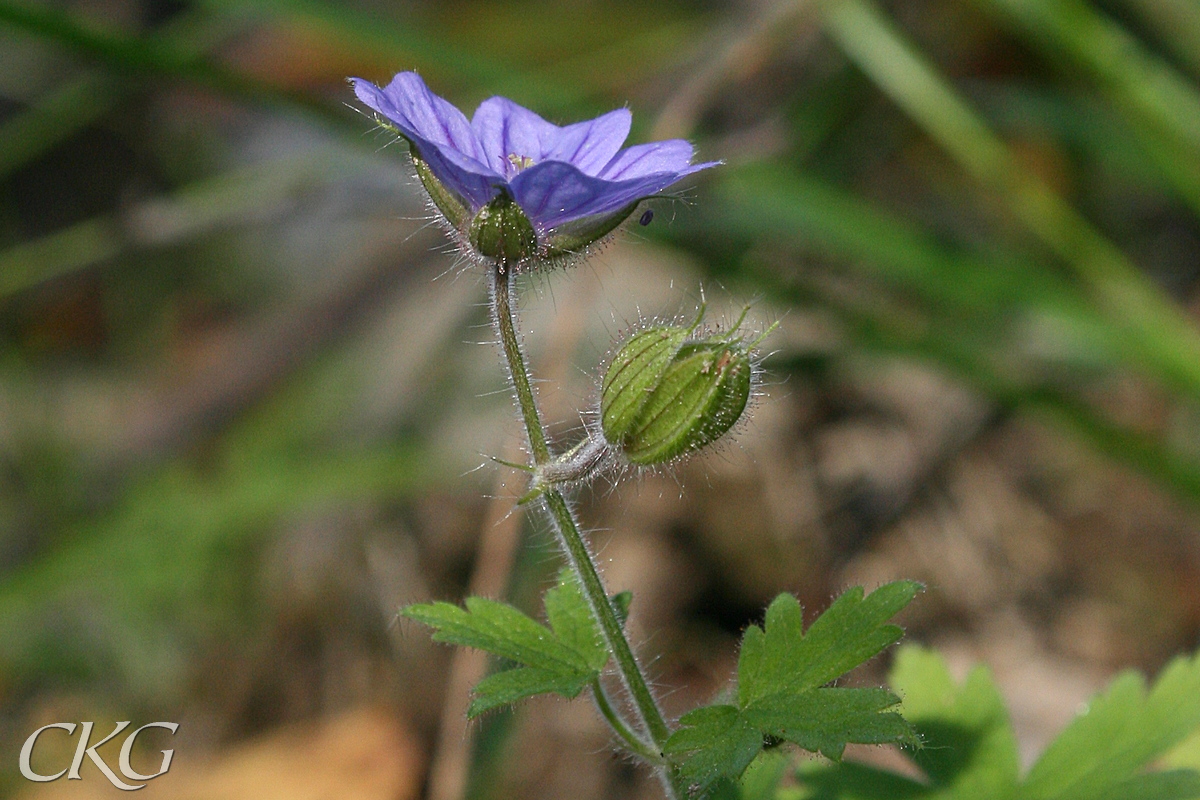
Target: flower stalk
650, 718
576, 465
502, 292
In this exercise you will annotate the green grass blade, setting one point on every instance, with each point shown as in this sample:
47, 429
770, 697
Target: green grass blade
1135, 307
140, 55
1162, 106
1177, 22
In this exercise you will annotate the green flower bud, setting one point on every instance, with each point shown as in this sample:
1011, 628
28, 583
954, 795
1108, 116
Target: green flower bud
501, 231
665, 395
701, 396
632, 376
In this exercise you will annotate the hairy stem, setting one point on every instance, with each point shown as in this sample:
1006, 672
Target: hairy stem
632, 740
502, 308
577, 464
581, 561
649, 715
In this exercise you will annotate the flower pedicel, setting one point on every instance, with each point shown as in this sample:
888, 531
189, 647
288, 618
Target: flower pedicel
518, 190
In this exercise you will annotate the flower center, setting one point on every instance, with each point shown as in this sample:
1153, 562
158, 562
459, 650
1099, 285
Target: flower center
519, 162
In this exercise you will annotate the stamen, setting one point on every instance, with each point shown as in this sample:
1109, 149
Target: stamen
520, 162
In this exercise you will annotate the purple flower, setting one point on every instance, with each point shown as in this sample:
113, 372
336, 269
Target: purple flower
517, 187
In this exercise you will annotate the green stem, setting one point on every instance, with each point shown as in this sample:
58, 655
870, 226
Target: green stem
502, 307
627, 734
631, 675
649, 715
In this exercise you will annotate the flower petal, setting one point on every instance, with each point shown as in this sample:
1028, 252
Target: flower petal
504, 128
553, 193
673, 155
437, 130
408, 102
590, 145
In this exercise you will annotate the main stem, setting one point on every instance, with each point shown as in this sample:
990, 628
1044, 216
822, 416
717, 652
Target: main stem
580, 559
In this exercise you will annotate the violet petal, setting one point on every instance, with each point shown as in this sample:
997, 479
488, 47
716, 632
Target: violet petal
591, 145
672, 155
505, 129
553, 193
437, 130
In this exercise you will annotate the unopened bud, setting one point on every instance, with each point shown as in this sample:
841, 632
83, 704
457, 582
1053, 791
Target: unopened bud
499, 230
637, 368
666, 394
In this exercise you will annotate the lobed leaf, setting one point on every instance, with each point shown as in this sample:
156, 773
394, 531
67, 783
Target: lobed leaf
968, 750
1122, 731
719, 742
560, 659
781, 656
782, 697
825, 720
571, 620
499, 629
510, 685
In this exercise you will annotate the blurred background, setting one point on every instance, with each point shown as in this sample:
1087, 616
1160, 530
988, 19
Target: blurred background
247, 401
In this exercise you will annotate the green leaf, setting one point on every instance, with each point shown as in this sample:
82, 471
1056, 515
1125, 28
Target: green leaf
721, 743
621, 602
968, 750
571, 620
825, 720
499, 629
1176, 784
847, 780
761, 779
560, 659
782, 657
782, 672
510, 685
1122, 731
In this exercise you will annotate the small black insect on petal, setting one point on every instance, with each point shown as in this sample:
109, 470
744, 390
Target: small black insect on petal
646, 217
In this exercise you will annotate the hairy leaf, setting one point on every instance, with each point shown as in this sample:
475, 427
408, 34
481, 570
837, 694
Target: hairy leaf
781, 656
510, 685
720, 743
571, 620
782, 694
560, 659
968, 748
